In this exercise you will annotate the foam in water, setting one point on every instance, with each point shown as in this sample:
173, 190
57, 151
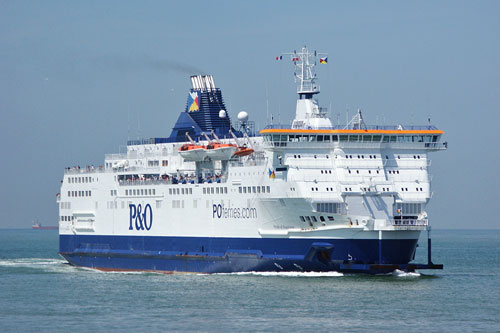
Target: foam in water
399, 273
288, 274
49, 265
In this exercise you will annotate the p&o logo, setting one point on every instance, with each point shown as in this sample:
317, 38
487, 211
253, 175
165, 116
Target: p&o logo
139, 218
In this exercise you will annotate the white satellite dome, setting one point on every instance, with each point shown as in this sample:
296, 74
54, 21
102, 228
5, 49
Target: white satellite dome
243, 116
222, 114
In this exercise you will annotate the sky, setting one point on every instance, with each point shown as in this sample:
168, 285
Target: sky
78, 78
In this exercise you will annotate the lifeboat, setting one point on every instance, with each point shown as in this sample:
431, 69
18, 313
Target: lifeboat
220, 151
192, 152
243, 151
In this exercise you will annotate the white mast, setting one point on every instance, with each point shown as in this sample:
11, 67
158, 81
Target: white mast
308, 113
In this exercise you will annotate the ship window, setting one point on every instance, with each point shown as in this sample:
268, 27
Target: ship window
294, 156
312, 188
263, 189
314, 218
322, 218
362, 156
178, 192
142, 191
111, 192
154, 192
249, 189
244, 189
190, 191
239, 189
349, 171
357, 171
302, 218
170, 191
376, 138
254, 189
268, 189
331, 218
308, 219
353, 138
327, 138
386, 138
343, 138
212, 191
369, 171
335, 138
319, 138
367, 138
182, 191
393, 138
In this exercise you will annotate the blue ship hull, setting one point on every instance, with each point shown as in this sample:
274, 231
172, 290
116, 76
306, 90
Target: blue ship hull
227, 255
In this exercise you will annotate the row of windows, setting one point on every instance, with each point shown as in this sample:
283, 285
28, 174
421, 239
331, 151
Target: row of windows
79, 193
66, 218
310, 219
369, 171
326, 171
363, 156
350, 138
142, 191
393, 172
217, 190
75, 180
113, 193
254, 189
179, 191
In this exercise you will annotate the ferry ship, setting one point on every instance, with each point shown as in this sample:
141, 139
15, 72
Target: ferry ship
218, 196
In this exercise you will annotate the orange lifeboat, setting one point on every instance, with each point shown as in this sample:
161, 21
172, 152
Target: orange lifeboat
192, 152
220, 151
243, 151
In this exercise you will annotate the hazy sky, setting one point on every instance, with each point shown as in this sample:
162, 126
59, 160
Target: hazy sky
74, 75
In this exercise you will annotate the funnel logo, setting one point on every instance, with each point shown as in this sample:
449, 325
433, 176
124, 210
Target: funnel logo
193, 103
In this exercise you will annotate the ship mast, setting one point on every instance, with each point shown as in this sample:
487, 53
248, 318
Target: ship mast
304, 62
308, 113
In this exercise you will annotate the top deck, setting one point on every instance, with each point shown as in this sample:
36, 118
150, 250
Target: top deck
368, 129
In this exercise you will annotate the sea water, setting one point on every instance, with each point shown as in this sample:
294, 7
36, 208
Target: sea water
41, 293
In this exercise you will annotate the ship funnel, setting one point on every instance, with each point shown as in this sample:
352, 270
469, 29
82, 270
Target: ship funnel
203, 82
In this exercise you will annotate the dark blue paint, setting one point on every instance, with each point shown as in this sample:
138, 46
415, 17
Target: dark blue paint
210, 255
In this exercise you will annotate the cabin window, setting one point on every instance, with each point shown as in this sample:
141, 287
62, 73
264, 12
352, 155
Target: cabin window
353, 138
367, 138
327, 138
268, 188
319, 138
343, 138
376, 138
335, 138
263, 189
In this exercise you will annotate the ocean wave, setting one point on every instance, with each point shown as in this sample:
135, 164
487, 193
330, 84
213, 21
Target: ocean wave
52, 265
288, 274
404, 274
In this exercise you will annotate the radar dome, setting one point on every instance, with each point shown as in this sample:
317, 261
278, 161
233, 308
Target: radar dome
243, 116
222, 114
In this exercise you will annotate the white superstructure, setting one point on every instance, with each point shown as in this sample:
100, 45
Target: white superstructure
308, 196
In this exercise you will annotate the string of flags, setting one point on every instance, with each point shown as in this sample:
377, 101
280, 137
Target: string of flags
295, 59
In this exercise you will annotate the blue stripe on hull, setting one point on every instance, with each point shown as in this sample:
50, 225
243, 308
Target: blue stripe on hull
211, 255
